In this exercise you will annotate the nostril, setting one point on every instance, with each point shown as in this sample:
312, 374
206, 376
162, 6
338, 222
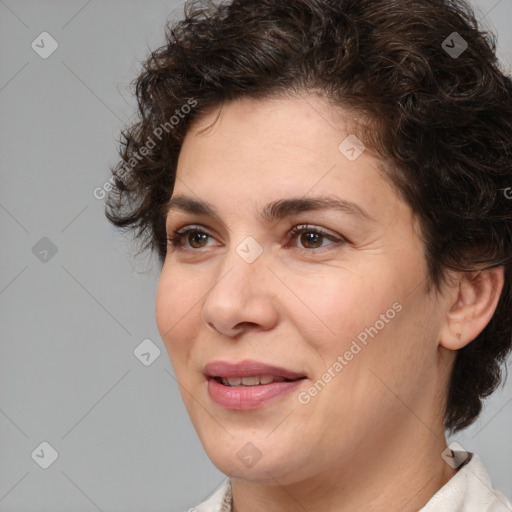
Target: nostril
212, 327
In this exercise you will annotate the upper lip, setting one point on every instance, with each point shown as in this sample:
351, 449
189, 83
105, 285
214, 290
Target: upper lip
248, 368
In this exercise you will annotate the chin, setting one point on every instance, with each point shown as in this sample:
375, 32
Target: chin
247, 458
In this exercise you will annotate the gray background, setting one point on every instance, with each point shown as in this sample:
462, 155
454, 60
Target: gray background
70, 321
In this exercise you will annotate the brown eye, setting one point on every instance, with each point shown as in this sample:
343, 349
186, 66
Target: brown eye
189, 238
312, 238
197, 237
309, 239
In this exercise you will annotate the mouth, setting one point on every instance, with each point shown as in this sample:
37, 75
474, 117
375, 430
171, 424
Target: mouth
248, 384
257, 380
249, 373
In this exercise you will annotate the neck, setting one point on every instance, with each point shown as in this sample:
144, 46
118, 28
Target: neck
399, 472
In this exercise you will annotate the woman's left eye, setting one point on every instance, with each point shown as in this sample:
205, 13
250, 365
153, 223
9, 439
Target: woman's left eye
310, 237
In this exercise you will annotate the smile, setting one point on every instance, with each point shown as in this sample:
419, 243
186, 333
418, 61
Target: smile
251, 381
247, 384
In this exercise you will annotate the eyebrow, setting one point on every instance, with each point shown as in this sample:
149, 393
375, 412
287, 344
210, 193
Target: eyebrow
275, 210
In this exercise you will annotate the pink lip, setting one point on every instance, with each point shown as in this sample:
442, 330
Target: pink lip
247, 368
248, 397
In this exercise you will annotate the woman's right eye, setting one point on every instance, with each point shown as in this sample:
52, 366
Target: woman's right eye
191, 234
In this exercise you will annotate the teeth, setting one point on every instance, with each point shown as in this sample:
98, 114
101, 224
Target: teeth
250, 381
232, 382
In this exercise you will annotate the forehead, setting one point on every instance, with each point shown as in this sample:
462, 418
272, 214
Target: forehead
276, 148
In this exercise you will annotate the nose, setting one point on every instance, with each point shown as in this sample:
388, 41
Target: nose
242, 297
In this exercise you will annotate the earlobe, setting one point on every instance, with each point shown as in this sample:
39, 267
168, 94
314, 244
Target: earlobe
474, 302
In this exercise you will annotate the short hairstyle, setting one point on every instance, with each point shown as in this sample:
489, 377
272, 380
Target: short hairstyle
438, 113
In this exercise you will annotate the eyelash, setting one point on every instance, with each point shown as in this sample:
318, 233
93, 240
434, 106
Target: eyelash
177, 240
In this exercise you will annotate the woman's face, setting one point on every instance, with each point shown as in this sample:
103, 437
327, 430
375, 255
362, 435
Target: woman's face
336, 315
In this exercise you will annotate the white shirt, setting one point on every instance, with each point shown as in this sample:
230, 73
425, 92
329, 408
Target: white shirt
469, 490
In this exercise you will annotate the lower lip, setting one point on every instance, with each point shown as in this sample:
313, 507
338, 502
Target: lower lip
243, 398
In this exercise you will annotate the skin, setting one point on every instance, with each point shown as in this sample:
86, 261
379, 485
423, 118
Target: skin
372, 438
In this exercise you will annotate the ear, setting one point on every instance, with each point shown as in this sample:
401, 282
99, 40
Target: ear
473, 302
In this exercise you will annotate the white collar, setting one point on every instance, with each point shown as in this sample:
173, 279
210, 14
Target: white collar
469, 490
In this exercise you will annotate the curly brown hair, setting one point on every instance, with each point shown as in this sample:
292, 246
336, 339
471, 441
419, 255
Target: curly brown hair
442, 119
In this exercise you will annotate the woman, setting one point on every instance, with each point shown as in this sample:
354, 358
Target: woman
326, 184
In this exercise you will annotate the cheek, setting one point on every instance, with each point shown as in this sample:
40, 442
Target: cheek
340, 307
172, 309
